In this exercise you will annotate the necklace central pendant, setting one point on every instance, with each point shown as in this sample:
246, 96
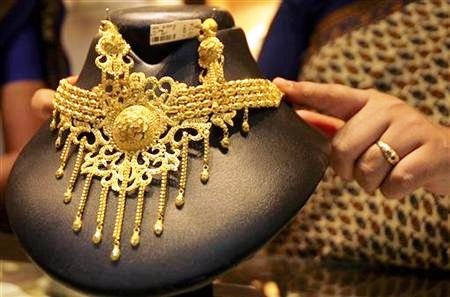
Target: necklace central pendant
137, 127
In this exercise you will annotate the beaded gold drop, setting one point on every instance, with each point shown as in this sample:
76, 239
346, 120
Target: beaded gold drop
130, 129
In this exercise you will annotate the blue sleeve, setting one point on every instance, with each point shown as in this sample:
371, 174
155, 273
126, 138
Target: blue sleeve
22, 57
287, 39
289, 35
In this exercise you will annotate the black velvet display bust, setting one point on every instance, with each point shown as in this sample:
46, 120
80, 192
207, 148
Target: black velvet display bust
254, 189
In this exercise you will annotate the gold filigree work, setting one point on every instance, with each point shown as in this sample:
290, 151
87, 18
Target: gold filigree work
131, 128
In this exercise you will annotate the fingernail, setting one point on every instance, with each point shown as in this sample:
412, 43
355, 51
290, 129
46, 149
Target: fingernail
283, 83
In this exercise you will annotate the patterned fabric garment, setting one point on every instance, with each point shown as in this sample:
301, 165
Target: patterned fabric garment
406, 54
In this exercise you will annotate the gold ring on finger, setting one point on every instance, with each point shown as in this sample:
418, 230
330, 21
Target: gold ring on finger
388, 152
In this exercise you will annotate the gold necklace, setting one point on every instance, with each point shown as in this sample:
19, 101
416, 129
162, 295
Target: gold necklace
130, 128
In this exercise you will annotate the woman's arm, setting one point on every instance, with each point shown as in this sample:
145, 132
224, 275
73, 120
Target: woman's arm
19, 121
19, 124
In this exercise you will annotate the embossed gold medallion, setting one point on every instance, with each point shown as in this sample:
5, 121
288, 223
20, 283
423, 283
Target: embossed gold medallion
131, 129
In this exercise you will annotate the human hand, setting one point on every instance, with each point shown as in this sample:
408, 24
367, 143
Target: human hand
357, 119
42, 101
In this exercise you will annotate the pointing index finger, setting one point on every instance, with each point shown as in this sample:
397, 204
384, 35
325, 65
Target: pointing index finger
336, 100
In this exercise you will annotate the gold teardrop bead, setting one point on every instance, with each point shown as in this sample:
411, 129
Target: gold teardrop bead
245, 127
115, 254
67, 196
225, 142
135, 239
97, 238
204, 176
58, 142
76, 226
59, 173
53, 125
158, 228
179, 201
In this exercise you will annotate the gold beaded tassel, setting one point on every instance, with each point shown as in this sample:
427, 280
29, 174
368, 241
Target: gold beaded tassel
179, 201
159, 227
75, 171
64, 156
204, 176
225, 142
245, 125
135, 238
219, 122
97, 238
77, 223
53, 124
115, 254
59, 138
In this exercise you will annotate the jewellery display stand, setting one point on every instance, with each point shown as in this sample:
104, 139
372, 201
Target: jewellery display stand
254, 189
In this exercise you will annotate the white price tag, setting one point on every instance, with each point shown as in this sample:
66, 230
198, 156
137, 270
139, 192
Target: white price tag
177, 30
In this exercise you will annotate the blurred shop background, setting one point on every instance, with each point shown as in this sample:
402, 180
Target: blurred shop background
83, 16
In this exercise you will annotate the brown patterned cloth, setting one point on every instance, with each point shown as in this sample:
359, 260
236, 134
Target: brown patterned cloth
405, 54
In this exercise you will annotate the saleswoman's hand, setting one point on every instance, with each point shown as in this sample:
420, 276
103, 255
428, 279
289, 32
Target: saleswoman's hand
358, 119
